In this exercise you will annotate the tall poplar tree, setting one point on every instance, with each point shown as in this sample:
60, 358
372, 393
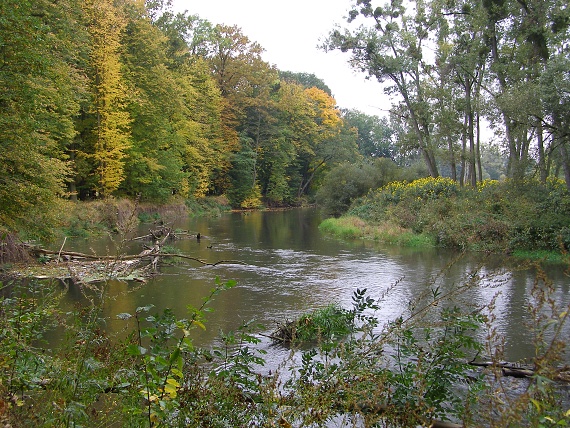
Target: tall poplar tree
105, 127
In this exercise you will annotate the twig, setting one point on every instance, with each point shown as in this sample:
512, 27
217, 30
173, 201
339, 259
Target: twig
182, 256
61, 249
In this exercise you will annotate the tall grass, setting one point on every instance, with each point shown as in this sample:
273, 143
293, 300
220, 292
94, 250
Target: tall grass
352, 227
345, 227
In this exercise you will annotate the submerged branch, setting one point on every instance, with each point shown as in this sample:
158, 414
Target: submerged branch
84, 267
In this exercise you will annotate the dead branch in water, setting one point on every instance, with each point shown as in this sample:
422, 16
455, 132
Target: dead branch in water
84, 267
514, 370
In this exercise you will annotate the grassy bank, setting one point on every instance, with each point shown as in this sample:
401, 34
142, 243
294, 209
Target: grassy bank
352, 227
529, 219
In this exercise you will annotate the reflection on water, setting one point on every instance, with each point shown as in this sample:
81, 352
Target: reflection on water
284, 266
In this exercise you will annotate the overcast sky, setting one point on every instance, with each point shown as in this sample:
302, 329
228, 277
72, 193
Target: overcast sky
290, 31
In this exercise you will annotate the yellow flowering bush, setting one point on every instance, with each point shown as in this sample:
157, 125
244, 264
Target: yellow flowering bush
421, 189
486, 185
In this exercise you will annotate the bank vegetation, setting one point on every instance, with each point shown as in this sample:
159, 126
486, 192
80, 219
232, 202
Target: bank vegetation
525, 218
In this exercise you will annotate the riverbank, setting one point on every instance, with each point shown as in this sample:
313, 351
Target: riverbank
113, 332
351, 227
530, 220
92, 218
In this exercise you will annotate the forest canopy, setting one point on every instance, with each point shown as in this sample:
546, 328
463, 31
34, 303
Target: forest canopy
106, 98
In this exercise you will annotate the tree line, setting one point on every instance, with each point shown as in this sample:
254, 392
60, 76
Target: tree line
127, 98
453, 64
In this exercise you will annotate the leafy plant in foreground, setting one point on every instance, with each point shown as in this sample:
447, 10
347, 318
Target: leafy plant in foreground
407, 372
161, 349
401, 375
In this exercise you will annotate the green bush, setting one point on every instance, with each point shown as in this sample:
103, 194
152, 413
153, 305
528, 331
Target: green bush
323, 325
347, 182
497, 216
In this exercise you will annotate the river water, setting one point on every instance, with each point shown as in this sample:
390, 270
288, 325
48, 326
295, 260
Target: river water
284, 266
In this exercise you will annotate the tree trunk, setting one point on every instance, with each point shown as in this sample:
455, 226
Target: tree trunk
479, 166
463, 153
515, 169
452, 163
471, 134
542, 168
565, 164
423, 137
304, 184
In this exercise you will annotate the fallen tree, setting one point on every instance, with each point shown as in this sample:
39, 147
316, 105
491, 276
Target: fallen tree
84, 268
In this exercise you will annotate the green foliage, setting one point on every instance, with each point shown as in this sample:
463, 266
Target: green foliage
154, 165
402, 376
39, 94
388, 48
307, 80
374, 135
161, 348
497, 216
112, 99
426, 377
242, 177
443, 91
408, 372
105, 134
328, 324
128, 98
348, 181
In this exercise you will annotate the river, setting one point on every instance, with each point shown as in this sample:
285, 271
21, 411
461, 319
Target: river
284, 266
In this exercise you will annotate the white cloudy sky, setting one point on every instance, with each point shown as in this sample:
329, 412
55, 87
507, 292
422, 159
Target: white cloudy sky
290, 31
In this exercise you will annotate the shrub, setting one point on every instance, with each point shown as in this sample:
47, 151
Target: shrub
324, 325
346, 182
497, 216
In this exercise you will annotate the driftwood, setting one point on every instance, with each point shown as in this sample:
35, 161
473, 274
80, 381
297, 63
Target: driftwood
514, 370
84, 267
284, 333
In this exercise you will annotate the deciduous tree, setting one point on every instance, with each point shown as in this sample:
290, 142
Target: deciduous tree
105, 128
39, 91
391, 49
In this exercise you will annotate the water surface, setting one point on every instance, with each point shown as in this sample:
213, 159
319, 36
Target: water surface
284, 266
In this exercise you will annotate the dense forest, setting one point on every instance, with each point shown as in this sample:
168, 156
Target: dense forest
125, 98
